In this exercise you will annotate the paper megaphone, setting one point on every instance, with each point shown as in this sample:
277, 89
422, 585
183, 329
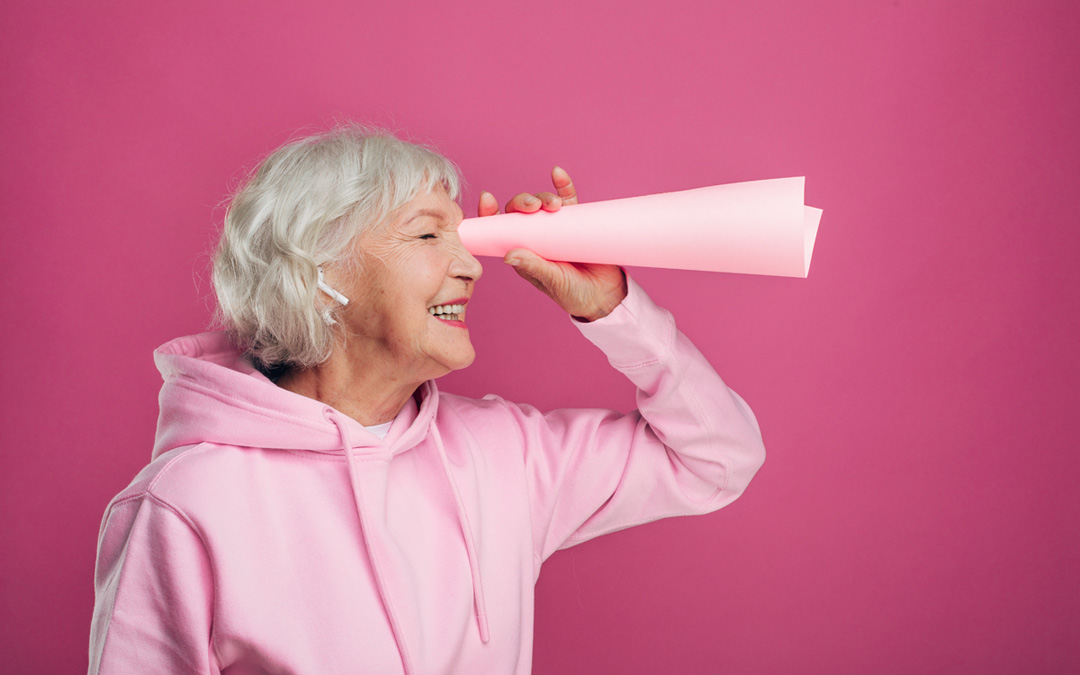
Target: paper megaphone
758, 227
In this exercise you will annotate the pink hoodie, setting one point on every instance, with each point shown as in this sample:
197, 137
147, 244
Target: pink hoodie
273, 534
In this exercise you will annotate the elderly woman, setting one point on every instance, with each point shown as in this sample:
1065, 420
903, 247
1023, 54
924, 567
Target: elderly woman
316, 505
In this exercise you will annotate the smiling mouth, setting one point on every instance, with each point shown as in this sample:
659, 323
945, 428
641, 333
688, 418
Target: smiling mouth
450, 312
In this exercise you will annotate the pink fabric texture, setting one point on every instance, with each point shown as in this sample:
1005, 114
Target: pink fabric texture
271, 533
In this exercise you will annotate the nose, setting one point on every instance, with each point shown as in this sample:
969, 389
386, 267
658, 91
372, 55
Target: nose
465, 265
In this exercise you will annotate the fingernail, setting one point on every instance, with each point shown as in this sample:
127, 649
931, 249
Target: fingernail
530, 200
513, 262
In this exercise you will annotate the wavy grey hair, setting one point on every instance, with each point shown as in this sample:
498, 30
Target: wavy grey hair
301, 210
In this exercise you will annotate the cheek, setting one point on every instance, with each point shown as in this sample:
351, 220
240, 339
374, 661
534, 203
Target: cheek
419, 267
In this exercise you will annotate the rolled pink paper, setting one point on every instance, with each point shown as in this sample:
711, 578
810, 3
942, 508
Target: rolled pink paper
757, 227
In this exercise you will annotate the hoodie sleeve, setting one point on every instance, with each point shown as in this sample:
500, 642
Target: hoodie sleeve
691, 447
153, 593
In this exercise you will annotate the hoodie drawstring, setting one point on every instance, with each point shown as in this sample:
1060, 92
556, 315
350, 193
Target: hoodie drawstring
470, 547
479, 606
395, 625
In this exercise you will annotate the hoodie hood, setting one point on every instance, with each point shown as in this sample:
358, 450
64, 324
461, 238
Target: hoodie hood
213, 393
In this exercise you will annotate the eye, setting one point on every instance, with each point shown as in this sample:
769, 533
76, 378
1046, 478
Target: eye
428, 236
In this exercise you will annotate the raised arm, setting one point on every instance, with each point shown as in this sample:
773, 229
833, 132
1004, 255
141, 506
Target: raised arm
691, 447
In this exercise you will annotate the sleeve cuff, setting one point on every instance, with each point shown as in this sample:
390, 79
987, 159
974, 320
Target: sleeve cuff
636, 332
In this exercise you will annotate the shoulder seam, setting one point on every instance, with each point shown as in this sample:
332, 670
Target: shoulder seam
179, 513
165, 469
156, 500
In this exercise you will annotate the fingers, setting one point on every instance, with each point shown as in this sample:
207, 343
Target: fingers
522, 203
551, 202
531, 203
488, 205
527, 203
561, 180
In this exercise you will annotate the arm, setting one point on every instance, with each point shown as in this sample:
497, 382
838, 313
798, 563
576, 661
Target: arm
153, 593
691, 447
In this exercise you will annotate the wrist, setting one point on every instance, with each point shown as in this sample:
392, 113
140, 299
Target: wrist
612, 299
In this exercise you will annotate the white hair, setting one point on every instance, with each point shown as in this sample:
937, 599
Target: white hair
302, 210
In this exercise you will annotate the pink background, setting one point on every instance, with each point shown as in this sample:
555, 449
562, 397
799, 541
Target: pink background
918, 510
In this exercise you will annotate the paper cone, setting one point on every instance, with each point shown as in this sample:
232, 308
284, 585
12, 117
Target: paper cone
758, 227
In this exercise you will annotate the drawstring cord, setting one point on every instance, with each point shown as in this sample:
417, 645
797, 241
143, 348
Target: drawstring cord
395, 626
470, 548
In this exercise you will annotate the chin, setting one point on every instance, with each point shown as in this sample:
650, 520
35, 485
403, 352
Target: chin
450, 363
465, 362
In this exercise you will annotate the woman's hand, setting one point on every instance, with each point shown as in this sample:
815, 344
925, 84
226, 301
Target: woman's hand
587, 291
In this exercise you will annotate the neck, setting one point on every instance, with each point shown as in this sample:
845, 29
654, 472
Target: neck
369, 395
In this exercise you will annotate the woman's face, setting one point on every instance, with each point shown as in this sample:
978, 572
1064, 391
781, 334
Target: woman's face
413, 269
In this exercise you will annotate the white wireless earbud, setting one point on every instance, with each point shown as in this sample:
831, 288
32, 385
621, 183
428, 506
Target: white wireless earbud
325, 288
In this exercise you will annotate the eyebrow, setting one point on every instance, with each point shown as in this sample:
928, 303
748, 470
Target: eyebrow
426, 212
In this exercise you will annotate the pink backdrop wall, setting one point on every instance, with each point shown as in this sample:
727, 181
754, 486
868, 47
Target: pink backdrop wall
918, 511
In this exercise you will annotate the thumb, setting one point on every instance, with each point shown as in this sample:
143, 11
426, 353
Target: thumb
534, 269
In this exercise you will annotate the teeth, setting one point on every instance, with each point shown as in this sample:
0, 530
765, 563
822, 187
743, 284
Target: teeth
446, 309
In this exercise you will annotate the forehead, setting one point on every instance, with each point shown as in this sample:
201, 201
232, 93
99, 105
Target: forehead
435, 204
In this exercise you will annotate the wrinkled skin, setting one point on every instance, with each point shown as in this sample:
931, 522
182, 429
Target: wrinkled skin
389, 342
